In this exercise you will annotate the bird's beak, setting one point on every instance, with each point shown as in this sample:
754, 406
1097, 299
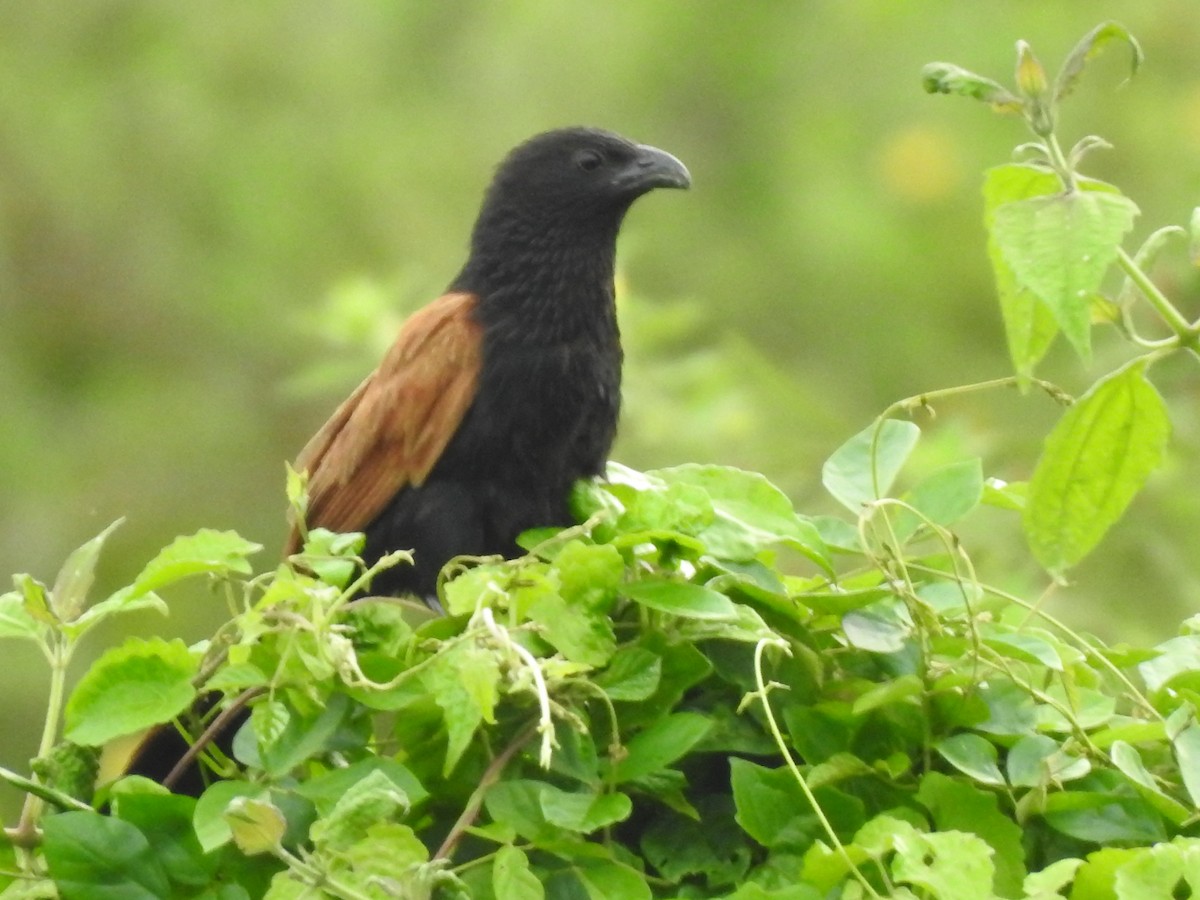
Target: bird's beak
653, 168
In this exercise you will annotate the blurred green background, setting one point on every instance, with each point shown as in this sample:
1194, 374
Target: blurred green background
214, 215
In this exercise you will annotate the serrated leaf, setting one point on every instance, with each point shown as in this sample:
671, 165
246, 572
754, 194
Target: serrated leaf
1059, 247
1029, 325
960, 807
582, 635
633, 673
1088, 47
863, 469
372, 799
206, 551
950, 865
1093, 463
1050, 881
131, 687
464, 681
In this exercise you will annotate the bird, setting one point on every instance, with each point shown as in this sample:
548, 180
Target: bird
504, 391
494, 399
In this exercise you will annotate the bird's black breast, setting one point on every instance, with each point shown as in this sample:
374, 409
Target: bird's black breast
545, 415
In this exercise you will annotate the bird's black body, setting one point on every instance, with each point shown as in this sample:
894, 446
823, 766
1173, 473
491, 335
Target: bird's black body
548, 395
495, 397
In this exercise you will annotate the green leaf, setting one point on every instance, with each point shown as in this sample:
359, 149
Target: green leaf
101, 858
1039, 761
257, 826
1127, 759
583, 812
581, 634
633, 673
863, 469
1093, 463
681, 598
1029, 324
166, 822
963, 807
131, 687
15, 619
325, 790
942, 498
1060, 246
659, 745
1176, 665
749, 513
1088, 47
511, 877
35, 599
372, 799
770, 804
1103, 817
972, 755
589, 575
713, 847
1049, 883
69, 595
1157, 871
605, 879
465, 682
1187, 753
518, 804
880, 628
896, 690
1026, 648
205, 552
947, 78
950, 865
212, 828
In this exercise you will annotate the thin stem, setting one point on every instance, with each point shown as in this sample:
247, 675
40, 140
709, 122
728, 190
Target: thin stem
210, 734
58, 654
1184, 330
1062, 167
490, 776
830, 832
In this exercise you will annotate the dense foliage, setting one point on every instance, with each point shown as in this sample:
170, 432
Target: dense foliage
698, 691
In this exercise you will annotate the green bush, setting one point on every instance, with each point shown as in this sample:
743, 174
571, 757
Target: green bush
697, 691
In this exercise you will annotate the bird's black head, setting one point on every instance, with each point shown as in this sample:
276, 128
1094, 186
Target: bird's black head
576, 177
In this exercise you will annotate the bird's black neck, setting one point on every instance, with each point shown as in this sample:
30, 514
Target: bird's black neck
543, 285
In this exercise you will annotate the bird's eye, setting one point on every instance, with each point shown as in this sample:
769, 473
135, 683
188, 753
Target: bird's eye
588, 160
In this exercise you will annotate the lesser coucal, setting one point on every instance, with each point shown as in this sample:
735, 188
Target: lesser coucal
504, 391
497, 396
